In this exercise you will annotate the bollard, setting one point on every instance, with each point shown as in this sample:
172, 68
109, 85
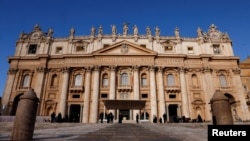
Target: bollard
25, 119
221, 109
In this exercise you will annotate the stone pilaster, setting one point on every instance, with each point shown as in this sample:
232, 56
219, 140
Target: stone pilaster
39, 81
8, 88
112, 82
112, 86
161, 96
85, 117
153, 93
136, 88
94, 104
242, 108
209, 91
185, 103
63, 100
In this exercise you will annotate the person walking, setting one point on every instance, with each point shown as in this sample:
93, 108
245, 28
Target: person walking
137, 118
53, 116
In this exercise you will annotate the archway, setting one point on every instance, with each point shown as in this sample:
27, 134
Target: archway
15, 104
233, 104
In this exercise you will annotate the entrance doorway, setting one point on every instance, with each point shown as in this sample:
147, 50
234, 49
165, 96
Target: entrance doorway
125, 114
173, 116
15, 104
74, 113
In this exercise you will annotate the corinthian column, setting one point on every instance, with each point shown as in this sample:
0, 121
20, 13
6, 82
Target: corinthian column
112, 85
85, 117
242, 108
153, 93
64, 91
39, 81
185, 107
209, 90
136, 89
161, 97
94, 105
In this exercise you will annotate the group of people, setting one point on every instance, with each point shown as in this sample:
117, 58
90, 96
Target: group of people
58, 118
161, 120
110, 117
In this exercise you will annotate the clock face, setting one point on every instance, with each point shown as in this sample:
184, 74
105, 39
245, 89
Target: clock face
214, 35
35, 36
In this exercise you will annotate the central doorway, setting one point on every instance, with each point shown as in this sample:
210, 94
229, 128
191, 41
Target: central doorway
125, 113
74, 113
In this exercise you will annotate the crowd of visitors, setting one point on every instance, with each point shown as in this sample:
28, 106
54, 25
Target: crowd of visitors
110, 118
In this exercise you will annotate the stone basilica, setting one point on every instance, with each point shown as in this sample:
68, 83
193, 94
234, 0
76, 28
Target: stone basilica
128, 73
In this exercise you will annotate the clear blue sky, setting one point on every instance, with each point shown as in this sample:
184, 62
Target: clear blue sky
16, 16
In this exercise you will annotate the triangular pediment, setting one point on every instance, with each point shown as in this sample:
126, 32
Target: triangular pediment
124, 48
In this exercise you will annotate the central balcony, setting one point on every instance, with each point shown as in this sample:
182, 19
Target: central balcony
124, 88
172, 89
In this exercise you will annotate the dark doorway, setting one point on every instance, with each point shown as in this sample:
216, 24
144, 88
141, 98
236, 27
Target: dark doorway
15, 104
172, 111
74, 113
125, 114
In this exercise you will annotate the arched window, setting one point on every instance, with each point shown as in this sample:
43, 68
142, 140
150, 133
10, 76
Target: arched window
26, 80
78, 80
105, 80
223, 81
170, 79
54, 80
144, 80
124, 79
194, 80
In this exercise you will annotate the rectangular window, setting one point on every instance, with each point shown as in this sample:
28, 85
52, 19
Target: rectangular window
105, 82
171, 96
144, 95
104, 95
216, 49
168, 48
75, 96
144, 82
32, 49
59, 50
190, 50
80, 49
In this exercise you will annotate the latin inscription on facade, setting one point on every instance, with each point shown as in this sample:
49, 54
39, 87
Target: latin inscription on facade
106, 61
167, 61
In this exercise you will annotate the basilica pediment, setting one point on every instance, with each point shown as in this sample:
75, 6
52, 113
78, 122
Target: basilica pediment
124, 48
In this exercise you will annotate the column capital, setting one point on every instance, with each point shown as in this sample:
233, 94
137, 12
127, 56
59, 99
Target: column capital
65, 69
41, 69
152, 68
88, 68
97, 68
136, 68
12, 71
182, 69
207, 70
236, 71
112, 67
160, 68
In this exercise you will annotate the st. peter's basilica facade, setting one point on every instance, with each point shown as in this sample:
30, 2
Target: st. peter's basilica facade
125, 74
